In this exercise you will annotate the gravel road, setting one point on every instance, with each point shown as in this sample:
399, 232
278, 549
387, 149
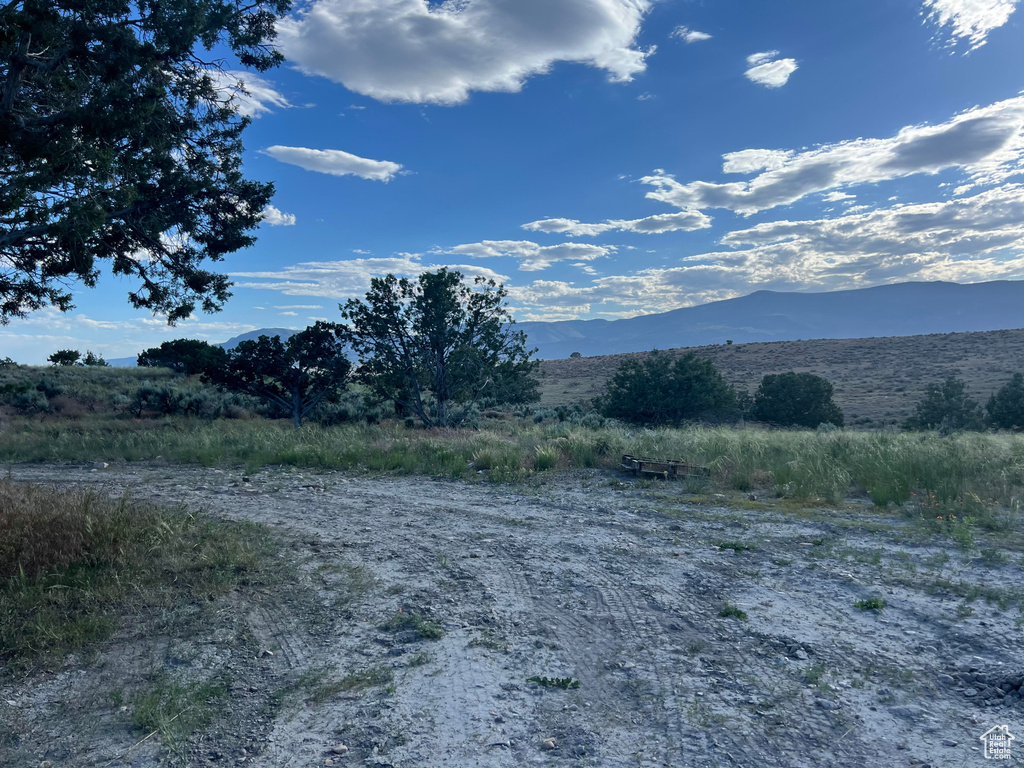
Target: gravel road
620, 586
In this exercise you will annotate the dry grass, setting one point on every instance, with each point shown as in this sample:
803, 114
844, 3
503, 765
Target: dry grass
877, 381
74, 563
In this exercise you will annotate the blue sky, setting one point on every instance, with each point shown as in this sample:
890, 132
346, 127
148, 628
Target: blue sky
607, 158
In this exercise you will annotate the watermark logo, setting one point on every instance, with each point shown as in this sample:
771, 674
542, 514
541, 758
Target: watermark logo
997, 742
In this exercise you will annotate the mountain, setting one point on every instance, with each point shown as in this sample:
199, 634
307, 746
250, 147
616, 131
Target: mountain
901, 309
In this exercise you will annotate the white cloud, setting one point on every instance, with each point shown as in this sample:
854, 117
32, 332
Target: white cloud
438, 52
688, 35
250, 94
685, 221
533, 257
289, 314
335, 162
767, 70
969, 20
987, 142
750, 160
838, 197
276, 218
348, 278
299, 306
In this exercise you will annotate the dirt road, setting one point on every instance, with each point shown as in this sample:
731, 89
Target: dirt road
632, 591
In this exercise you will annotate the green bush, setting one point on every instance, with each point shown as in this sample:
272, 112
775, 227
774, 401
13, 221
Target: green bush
1006, 407
795, 400
947, 408
660, 391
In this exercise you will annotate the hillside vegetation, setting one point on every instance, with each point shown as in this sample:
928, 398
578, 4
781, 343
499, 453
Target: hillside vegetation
877, 381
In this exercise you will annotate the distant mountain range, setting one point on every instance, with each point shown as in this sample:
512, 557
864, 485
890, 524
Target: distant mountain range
902, 309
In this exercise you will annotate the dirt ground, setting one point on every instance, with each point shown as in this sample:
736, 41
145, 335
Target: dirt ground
617, 584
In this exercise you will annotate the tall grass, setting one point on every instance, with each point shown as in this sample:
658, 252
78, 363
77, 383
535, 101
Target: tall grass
827, 465
72, 563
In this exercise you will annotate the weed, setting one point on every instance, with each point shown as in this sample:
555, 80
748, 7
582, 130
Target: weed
565, 683
175, 710
371, 677
871, 604
736, 546
419, 659
731, 611
424, 629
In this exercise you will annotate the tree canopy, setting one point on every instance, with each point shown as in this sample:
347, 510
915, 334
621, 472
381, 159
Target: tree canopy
436, 346
296, 375
946, 407
661, 391
120, 142
795, 400
187, 356
1006, 407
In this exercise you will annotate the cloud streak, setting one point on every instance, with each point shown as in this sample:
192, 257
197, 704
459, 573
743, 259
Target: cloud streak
335, 162
969, 21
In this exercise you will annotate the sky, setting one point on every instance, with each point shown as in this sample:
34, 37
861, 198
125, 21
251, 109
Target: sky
608, 158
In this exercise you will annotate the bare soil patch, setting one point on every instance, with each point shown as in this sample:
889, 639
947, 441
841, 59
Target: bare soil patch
422, 608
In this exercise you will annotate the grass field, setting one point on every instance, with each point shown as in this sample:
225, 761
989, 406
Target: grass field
973, 469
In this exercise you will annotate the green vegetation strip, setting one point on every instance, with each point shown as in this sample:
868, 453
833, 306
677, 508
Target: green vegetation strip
73, 564
965, 474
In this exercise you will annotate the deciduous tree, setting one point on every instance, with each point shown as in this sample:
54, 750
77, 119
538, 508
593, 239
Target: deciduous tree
187, 356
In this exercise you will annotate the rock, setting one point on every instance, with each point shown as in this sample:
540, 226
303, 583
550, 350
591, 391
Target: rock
801, 654
339, 749
548, 744
946, 680
99, 465
827, 705
949, 743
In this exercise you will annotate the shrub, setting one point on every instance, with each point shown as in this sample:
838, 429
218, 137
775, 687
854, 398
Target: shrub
946, 407
795, 400
1006, 407
660, 391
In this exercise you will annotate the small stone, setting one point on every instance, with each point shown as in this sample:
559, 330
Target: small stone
547, 744
46, 764
949, 743
946, 680
339, 749
801, 654
266, 653
99, 465
827, 705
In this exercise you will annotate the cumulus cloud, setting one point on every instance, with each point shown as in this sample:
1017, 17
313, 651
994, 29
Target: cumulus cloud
688, 35
250, 94
335, 162
987, 142
276, 218
533, 257
768, 70
438, 52
686, 221
348, 278
969, 21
